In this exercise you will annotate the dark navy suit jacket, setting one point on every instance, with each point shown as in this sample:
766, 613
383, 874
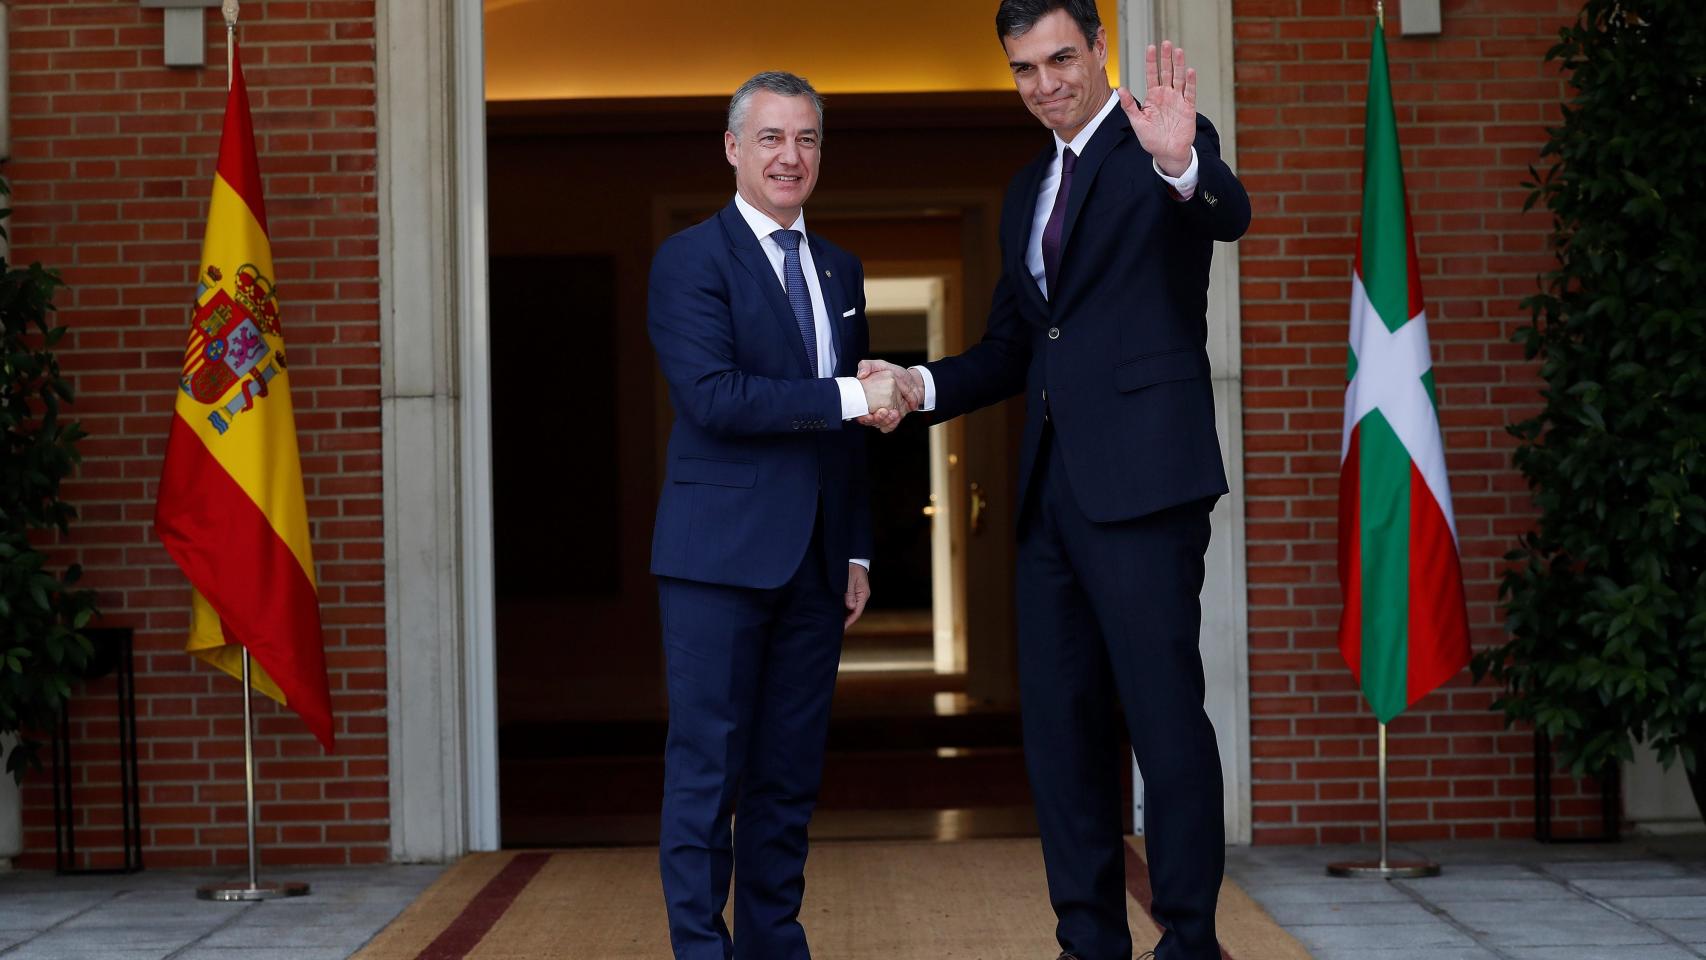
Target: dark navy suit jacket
758, 443
1119, 348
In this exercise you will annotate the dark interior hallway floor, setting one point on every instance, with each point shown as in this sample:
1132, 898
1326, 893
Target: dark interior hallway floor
910, 757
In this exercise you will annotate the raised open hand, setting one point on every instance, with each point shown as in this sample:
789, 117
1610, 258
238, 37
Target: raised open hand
1166, 121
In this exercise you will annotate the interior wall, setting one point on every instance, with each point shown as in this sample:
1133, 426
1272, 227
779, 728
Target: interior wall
561, 49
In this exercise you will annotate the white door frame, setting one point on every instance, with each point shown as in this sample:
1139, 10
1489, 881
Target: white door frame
435, 403
1204, 29
479, 589
927, 295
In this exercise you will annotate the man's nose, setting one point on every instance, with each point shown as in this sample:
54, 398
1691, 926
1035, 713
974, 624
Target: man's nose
1048, 81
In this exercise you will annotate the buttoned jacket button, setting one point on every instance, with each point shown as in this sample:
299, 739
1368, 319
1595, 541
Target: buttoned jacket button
1054, 333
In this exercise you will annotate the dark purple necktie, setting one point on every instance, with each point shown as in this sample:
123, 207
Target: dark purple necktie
1057, 221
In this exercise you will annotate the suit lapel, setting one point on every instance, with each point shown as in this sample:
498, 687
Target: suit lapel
1108, 137
1020, 243
834, 303
752, 257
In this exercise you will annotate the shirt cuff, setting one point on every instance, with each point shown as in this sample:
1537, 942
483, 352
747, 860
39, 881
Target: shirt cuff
863, 563
1185, 185
853, 402
929, 387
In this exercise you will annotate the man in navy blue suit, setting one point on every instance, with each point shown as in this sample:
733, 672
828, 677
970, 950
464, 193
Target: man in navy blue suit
763, 532
1099, 319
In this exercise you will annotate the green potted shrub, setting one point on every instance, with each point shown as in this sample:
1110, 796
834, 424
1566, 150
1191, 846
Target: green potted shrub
41, 610
1606, 597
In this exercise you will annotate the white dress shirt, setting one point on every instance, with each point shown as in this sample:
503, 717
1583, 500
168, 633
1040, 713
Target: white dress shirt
1185, 185
853, 402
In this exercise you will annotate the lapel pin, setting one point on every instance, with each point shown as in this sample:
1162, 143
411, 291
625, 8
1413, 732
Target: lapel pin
829, 273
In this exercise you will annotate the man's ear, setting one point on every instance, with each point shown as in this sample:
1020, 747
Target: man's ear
729, 146
1099, 46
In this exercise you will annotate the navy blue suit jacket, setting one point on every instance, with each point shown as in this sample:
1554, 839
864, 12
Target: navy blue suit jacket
1125, 369
758, 443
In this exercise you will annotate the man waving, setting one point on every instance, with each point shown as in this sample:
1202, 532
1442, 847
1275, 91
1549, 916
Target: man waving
1099, 318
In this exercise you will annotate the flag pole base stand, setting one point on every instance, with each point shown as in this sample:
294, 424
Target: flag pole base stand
268, 890
1379, 870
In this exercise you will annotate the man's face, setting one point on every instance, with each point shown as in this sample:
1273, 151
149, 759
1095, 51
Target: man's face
775, 154
1062, 80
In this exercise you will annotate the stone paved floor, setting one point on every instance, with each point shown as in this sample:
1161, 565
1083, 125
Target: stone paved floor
154, 915
1511, 900
1517, 900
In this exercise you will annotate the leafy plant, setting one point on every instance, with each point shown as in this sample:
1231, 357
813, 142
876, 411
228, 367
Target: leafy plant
1606, 599
41, 651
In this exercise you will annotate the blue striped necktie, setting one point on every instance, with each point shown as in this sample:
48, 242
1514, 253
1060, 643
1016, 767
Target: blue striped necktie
798, 296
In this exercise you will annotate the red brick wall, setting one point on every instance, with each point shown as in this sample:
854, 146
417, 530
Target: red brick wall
113, 158
1471, 107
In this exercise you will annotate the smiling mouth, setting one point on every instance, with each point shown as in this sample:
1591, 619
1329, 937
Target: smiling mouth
783, 178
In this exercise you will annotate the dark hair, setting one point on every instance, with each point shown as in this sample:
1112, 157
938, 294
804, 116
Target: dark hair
773, 81
1016, 17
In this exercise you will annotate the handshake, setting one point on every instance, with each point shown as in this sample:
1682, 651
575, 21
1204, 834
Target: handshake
892, 392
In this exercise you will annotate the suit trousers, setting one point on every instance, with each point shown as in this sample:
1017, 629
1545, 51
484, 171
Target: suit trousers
1109, 615
750, 675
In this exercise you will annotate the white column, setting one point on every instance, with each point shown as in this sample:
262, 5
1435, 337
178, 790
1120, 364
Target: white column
1655, 799
1204, 29
436, 441
479, 622
11, 808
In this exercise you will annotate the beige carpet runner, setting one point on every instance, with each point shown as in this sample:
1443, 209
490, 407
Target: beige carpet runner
976, 900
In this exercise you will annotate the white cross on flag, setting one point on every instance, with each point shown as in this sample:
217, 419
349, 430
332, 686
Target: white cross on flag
1404, 630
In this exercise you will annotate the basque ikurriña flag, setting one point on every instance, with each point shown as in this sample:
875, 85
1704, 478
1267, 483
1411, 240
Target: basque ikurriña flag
231, 509
1404, 629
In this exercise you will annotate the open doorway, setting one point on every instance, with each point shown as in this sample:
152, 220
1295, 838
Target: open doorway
916, 622
925, 719
963, 133
592, 161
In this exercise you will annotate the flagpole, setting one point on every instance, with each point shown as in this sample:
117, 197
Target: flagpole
1383, 817
1383, 868
254, 889
1389, 686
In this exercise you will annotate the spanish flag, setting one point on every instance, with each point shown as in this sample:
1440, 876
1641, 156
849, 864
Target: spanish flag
231, 510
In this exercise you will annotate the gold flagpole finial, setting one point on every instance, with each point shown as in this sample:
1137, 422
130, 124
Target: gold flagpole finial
229, 9
1379, 12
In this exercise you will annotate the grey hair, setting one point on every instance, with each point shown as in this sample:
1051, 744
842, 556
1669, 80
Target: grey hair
773, 81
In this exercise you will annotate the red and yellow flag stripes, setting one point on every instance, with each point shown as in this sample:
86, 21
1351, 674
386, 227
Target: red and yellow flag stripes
231, 509
1405, 630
